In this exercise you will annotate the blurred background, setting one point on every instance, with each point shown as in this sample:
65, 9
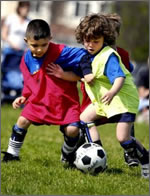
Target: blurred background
64, 16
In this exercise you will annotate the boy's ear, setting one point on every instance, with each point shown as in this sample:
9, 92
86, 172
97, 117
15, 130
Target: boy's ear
25, 39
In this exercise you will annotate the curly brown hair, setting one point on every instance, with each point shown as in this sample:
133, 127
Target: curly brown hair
115, 21
93, 27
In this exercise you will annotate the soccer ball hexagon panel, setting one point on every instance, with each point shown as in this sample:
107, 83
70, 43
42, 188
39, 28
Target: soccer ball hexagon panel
91, 158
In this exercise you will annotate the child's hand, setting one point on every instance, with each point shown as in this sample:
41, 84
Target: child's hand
107, 98
55, 70
82, 80
18, 102
89, 78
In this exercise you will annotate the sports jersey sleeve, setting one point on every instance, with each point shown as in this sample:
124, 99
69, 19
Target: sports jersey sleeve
113, 69
70, 58
86, 65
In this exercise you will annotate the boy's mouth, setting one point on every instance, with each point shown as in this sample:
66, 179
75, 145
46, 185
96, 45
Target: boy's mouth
90, 50
37, 55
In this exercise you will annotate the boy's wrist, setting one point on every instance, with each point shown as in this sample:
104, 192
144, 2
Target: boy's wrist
89, 78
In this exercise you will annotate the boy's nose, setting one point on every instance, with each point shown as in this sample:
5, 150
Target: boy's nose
90, 44
39, 50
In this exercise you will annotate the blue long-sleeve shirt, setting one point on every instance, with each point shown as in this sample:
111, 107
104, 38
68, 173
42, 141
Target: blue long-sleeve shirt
79, 61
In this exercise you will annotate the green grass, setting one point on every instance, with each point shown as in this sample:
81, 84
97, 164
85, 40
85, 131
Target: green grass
40, 172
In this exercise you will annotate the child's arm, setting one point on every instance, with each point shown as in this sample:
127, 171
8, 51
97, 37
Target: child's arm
85, 66
89, 78
107, 98
57, 71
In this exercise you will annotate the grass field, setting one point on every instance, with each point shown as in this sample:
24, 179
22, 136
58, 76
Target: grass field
40, 172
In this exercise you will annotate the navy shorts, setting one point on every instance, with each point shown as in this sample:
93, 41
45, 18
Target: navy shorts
125, 117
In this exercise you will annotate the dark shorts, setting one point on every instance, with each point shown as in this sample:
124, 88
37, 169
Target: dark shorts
75, 124
125, 117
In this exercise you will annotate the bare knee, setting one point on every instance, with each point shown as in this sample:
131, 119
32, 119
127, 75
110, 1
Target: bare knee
71, 131
85, 117
23, 122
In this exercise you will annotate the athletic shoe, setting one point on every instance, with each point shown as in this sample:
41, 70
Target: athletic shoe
130, 159
67, 160
9, 157
145, 171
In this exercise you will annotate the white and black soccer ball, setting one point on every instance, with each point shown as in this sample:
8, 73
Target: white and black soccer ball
91, 158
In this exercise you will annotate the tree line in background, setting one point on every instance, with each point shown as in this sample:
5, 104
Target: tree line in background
134, 35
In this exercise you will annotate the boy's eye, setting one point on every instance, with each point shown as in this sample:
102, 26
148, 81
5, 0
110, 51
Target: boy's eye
44, 45
34, 45
96, 42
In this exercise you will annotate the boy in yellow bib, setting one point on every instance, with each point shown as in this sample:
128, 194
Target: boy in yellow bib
110, 87
116, 98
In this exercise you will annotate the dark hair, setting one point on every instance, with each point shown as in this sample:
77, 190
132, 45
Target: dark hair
22, 4
93, 27
115, 21
38, 29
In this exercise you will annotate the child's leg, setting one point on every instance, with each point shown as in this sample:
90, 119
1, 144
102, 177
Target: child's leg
19, 131
132, 146
123, 136
71, 137
87, 117
123, 131
131, 162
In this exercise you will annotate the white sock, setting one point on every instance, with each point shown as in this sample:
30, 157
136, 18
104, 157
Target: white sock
14, 147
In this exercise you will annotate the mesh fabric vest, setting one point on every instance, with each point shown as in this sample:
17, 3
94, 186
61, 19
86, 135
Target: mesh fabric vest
126, 100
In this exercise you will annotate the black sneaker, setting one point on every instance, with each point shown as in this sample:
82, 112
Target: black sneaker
130, 159
9, 157
67, 160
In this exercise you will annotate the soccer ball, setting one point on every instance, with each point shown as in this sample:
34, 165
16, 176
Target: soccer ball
90, 158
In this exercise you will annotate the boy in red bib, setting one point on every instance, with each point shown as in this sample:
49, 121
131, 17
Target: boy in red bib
47, 99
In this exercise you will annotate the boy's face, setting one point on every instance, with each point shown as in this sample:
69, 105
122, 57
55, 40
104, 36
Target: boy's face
94, 45
38, 47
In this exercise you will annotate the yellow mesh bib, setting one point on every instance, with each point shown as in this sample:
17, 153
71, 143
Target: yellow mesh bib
126, 100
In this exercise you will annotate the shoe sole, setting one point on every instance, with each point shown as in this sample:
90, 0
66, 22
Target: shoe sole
9, 158
133, 164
